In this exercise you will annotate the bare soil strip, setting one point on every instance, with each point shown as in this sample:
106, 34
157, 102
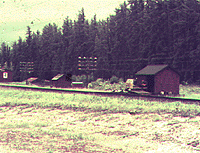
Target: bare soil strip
53, 130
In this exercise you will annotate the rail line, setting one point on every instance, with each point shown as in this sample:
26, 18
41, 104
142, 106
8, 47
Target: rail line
106, 93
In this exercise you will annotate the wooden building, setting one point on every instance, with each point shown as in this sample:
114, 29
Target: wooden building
5, 75
62, 81
159, 78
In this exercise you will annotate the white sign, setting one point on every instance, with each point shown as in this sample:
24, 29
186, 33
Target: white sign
5, 75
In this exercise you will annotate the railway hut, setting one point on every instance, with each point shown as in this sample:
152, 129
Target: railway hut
159, 79
5, 75
61, 80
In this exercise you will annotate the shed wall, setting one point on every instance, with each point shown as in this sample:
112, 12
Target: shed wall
62, 82
168, 81
140, 78
77, 85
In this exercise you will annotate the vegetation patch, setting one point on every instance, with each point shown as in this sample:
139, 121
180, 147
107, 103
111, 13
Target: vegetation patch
35, 121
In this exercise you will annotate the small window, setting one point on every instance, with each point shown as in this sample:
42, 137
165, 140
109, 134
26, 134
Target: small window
5, 75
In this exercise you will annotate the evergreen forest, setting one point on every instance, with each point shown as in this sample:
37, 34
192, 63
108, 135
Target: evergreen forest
141, 32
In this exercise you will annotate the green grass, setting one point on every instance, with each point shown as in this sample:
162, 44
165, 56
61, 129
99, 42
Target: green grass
12, 97
190, 91
32, 128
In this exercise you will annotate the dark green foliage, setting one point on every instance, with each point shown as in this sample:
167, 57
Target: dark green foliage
114, 79
140, 33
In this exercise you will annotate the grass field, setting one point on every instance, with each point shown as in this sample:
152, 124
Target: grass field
33, 121
190, 91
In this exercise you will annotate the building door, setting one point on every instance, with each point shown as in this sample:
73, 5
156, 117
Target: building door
150, 83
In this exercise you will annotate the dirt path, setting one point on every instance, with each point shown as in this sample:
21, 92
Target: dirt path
47, 130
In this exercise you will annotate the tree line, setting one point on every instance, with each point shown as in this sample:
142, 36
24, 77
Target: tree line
141, 32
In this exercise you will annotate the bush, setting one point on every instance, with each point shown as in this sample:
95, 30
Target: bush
108, 87
100, 81
90, 78
82, 78
79, 78
100, 84
114, 79
121, 80
184, 83
90, 86
74, 78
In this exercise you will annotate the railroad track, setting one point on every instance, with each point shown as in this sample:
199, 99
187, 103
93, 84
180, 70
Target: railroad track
106, 93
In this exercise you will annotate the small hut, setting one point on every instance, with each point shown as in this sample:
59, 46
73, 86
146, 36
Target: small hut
159, 78
62, 81
5, 75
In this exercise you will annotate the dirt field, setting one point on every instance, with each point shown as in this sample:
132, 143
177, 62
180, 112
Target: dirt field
47, 130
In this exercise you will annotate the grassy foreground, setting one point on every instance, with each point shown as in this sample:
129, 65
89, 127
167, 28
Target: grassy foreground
12, 97
41, 115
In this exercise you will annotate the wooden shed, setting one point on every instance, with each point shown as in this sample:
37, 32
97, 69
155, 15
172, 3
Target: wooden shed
61, 80
5, 75
159, 78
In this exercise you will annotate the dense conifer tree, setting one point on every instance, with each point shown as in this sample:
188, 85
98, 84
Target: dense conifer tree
141, 32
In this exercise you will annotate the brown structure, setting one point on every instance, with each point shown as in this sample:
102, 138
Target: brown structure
61, 80
31, 80
5, 75
159, 78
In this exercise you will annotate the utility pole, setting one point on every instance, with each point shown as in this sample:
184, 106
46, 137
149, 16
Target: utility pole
87, 64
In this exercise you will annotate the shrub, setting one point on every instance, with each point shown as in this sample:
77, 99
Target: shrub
108, 87
114, 79
121, 80
82, 78
79, 78
99, 80
184, 83
90, 78
90, 86
74, 78
100, 84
